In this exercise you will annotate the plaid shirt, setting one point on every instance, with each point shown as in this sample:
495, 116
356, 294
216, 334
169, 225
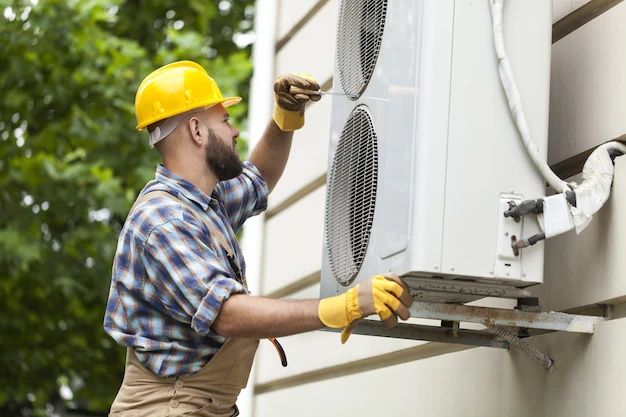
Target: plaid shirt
170, 278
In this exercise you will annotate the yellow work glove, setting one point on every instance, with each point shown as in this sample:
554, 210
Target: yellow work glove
292, 92
388, 296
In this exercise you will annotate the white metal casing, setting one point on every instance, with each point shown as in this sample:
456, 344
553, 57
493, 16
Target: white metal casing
449, 153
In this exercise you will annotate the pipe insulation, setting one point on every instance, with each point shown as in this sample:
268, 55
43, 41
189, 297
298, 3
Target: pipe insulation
559, 214
595, 189
515, 101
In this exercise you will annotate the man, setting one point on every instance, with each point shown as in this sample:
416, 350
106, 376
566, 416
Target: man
178, 297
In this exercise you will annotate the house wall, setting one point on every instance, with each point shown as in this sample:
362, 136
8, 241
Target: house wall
371, 376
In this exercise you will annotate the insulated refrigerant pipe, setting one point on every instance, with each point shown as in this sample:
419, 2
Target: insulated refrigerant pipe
515, 102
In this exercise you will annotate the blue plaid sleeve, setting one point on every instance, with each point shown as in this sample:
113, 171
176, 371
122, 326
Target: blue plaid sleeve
186, 276
243, 196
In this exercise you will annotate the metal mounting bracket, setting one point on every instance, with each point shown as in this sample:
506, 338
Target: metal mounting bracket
554, 321
503, 327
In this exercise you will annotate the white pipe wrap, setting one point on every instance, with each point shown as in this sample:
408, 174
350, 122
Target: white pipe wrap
595, 189
558, 216
515, 101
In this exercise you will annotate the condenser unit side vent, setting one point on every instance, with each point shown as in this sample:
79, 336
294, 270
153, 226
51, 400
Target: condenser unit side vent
351, 196
359, 35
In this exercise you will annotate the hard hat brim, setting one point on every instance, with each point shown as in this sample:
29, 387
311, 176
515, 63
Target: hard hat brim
226, 102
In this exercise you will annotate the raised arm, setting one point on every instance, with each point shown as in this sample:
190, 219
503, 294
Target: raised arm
271, 153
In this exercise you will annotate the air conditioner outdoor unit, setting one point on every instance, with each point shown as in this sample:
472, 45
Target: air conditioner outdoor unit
424, 155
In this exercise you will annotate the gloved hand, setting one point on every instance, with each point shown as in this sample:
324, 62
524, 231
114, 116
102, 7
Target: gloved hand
292, 92
388, 296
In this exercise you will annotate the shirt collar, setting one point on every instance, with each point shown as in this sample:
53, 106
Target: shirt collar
187, 189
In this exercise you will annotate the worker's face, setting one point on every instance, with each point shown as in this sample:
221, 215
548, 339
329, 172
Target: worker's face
221, 152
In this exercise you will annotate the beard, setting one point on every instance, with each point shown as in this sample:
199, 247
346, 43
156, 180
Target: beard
221, 159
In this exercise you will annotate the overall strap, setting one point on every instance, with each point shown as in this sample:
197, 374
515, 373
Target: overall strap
215, 232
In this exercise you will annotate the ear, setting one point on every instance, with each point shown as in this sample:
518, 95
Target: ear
195, 130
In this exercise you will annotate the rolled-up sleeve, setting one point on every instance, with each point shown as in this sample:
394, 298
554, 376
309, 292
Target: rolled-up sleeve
186, 275
243, 196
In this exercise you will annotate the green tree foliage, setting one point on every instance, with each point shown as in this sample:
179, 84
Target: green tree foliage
71, 164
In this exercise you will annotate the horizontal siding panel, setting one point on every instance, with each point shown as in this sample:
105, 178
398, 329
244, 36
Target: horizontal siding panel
309, 153
290, 13
561, 8
587, 104
293, 242
460, 384
588, 93
312, 49
479, 382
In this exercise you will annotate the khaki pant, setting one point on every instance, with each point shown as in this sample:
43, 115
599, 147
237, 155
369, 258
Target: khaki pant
211, 392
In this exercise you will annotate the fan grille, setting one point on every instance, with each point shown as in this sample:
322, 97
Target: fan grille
351, 196
360, 32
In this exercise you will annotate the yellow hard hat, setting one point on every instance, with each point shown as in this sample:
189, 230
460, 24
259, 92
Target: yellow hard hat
174, 89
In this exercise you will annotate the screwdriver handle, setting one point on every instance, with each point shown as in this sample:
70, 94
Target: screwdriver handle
297, 90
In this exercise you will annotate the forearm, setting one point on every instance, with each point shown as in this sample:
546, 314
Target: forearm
271, 153
257, 317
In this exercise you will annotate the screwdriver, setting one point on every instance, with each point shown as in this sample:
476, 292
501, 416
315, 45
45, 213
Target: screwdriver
297, 90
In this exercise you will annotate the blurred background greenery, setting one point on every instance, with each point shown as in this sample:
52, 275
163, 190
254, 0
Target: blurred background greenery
71, 163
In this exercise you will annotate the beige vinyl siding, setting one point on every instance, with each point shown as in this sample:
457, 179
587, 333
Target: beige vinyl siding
561, 8
312, 48
588, 91
325, 378
293, 242
479, 382
291, 13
